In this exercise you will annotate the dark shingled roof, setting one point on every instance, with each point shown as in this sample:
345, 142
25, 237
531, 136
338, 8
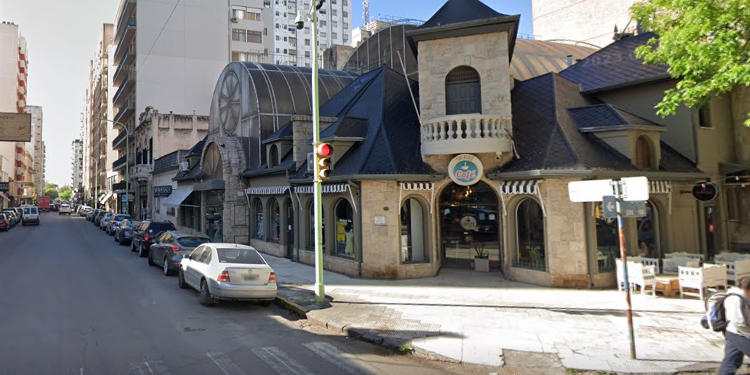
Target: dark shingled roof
284, 133
615, 66
348, 127
168, 161
605, 115
197, 150
456, 11
547, 137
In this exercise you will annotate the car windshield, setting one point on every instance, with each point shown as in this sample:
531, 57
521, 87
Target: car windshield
29, 211
160, 227
121, 217
191, 241
244, 256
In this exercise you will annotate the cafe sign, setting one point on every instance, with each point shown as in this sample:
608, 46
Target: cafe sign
465, 169
162, 191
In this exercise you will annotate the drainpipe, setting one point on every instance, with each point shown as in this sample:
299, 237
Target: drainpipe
358, 204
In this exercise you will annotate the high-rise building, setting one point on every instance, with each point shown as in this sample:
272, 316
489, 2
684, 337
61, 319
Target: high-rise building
37, 153
264, 30
589, 21
76, 177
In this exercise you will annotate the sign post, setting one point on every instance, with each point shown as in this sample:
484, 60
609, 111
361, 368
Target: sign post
624, 198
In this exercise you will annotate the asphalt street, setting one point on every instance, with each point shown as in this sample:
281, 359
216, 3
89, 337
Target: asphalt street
75, 302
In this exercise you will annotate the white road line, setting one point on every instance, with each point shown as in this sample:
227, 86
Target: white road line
157, 367
334, 356
224, 364
280, 361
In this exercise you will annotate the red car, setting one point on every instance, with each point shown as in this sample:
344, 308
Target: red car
4, 222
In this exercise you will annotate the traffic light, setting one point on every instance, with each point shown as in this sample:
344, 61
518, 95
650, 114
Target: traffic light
319, 4
324, 151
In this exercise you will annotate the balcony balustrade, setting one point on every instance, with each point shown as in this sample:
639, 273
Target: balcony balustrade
467, 133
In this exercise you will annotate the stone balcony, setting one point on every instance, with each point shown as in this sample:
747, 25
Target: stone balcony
470, 133
141, 172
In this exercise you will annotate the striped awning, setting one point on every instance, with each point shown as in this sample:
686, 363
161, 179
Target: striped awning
417, 186
327, 189
105, 198
266, 190
519, 187
659, 187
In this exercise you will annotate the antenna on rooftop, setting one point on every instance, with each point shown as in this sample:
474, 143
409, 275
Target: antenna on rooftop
366, 11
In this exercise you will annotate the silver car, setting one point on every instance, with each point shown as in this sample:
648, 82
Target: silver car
225, 271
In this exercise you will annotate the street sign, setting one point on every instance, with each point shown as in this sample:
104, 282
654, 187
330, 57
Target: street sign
589, 191
634, 188
628, 209
609, 207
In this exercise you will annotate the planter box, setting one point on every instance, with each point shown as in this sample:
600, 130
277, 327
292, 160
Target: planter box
482, 264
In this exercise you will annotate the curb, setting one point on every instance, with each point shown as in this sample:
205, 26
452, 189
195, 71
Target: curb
291, 306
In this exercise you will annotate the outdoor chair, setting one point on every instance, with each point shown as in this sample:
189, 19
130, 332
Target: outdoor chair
672, 261
736, 269
695, 281
647, 262
639, 274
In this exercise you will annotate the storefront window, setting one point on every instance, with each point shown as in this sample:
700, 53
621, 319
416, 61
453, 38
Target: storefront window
607, 241
648, 246
258, 219
412, 232
274, 220
530, 235
311, 238
344, 229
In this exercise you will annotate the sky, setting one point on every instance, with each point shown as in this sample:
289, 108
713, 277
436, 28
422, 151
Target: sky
62, 37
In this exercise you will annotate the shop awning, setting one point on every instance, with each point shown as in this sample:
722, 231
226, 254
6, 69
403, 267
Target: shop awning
327, 189
659, 187
3, 196
529, 187
178, 196
105, 198
266, 190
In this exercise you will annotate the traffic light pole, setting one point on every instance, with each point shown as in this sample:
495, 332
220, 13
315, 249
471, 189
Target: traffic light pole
317, 186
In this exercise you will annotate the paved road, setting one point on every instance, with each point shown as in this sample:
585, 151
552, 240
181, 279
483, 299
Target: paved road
74, 302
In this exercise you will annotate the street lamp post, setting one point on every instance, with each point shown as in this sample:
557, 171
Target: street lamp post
317, 186
127, 164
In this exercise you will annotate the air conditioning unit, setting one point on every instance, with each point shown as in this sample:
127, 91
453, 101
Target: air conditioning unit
234, 19
184, 166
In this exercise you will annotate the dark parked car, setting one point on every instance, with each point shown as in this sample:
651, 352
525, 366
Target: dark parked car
124, 233
115, 223
98, 217
146, 233
91, 214
4, 223
169, 248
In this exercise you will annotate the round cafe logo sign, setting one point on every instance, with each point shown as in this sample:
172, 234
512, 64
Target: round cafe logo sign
465, 169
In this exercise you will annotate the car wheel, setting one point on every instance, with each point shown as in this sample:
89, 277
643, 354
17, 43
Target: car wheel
165, 268
150, 261
181, 280
205, 295
142, 251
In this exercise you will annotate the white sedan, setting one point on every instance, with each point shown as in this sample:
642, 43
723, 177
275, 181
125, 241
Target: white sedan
224, 271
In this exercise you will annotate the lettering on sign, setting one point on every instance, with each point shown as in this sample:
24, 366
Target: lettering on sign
465, 169
162, 191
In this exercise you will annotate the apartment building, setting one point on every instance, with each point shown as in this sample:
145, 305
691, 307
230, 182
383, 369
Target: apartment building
589, 21
167, 58
37, 149
76, 176
100, 131
264, 30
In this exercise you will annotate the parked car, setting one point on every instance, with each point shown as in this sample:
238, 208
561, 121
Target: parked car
115, 222
83, 210
30, 215
12, 217
223, 271
92, 214
104, 222
4, 222
64, 209
124, 233
171, 246
146, 234
98, 217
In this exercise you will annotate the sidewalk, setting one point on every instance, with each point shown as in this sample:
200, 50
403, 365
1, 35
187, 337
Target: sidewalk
472, 317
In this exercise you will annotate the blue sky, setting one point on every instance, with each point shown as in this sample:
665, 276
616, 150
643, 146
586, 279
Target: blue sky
423, 9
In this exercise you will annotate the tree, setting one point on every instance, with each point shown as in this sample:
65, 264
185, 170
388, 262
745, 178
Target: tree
65, 193
705, 44
50, 190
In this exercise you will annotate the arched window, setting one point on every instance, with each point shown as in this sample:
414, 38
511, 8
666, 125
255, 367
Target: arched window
274, 221
530, 235
273, 156
344, 229
648, 233
258, 218
412, 232
642, 153
462, 91
311, 238
211, 163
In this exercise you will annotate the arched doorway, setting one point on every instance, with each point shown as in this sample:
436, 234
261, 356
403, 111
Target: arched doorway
469, 225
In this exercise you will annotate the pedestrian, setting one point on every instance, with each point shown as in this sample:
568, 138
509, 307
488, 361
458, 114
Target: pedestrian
737, 335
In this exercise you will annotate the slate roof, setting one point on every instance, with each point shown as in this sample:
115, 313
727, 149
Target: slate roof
197, 150
606, 116
547, 136
376, 106
168, 161
456, 11
193, 174
615, 66
284, 133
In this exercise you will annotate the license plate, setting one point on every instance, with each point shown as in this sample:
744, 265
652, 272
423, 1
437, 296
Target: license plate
250, 276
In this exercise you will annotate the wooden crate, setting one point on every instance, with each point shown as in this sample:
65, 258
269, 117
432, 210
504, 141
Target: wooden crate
668, 286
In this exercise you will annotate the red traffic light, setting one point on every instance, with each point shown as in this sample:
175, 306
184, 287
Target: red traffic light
324, 150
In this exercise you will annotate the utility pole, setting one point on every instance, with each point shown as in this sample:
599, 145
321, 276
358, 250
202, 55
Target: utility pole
624, 257
320, 290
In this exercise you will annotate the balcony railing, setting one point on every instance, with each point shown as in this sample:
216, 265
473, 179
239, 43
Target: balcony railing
118, 140
118, 186
124, 86
141, 171
466, 133
119, 163
124, 109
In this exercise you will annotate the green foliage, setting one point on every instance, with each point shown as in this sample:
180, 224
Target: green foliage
50, 190
65, 193
706, 44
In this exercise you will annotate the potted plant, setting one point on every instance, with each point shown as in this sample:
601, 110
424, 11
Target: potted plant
481, 258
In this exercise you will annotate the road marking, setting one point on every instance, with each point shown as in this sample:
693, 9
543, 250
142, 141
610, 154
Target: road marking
336, 357
224, 364
280, 361
151, 367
